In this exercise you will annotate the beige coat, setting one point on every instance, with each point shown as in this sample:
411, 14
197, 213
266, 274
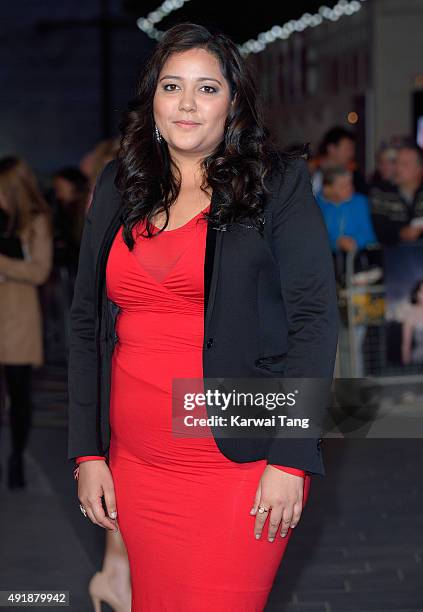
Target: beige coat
21, 329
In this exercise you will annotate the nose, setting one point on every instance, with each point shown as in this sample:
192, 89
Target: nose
187, 102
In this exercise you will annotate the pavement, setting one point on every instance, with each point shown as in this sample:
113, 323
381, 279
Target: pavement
357, 548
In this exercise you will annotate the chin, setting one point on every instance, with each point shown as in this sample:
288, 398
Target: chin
185, 146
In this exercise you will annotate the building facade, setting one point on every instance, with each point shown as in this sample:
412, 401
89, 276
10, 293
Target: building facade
364, 71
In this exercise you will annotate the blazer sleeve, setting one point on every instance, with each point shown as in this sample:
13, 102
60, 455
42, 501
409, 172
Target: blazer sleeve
82, 363
307, 280
83, 458
37, 268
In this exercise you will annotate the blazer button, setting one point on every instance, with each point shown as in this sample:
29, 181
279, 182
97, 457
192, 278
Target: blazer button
209, 342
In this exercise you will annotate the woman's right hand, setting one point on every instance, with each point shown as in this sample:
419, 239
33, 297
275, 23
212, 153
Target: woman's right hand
94, 481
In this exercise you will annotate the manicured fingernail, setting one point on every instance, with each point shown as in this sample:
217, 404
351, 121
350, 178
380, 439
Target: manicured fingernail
257, 536
252, 511
113, 515
271, 539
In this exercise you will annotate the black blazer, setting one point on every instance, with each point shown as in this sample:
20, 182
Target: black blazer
270, 309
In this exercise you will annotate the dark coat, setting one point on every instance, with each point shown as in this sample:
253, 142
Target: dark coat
270, 309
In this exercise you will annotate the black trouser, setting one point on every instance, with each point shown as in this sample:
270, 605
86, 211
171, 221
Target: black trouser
18, 385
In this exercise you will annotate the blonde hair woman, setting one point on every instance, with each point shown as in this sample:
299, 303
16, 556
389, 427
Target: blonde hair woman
21, 345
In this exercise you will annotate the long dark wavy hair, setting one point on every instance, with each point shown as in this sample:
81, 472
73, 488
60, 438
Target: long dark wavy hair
146, 176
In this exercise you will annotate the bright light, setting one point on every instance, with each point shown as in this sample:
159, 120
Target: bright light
147, 24
352, 117
342, 8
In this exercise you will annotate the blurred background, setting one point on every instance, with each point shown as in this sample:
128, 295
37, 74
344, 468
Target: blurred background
345, 77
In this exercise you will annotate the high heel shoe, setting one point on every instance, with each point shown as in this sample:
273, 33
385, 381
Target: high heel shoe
99, 590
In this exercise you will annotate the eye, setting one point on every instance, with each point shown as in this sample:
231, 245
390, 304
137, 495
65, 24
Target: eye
209, 87
169, 85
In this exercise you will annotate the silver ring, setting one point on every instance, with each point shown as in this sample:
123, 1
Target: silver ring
263, 509
84, 512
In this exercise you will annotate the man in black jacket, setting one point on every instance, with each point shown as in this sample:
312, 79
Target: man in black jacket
397, 212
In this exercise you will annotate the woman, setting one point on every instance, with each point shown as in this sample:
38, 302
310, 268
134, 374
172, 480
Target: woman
21, 336
196, 242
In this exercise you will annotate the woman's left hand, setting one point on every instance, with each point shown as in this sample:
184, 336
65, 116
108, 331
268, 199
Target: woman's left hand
282, 494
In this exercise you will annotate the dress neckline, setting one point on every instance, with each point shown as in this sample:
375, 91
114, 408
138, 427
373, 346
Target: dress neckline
175, 229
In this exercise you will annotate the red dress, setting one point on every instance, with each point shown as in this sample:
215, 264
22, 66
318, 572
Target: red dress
183, 507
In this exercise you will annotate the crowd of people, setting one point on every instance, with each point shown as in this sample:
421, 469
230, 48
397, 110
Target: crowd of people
384, 209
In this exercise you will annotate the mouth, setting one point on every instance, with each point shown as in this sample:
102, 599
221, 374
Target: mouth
187, 124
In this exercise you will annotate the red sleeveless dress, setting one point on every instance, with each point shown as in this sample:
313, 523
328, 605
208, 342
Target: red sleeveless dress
183, 507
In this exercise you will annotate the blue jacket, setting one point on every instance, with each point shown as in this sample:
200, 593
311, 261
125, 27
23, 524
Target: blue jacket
350, 218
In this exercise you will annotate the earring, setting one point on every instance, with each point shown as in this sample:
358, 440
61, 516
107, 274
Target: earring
158, 135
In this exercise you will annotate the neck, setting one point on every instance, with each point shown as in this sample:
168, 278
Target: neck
190, 169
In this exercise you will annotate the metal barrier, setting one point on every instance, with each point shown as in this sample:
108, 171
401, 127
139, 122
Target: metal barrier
361, 300
363, 338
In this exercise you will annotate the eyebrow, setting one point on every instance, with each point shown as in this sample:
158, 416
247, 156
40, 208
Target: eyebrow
171, 76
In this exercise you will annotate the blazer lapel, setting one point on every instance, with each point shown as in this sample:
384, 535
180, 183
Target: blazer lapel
214, 239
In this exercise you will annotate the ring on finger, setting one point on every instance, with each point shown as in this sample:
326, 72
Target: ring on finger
262, 509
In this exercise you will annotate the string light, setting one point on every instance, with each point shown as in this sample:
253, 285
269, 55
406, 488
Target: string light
343, 7
277, 32
147, 24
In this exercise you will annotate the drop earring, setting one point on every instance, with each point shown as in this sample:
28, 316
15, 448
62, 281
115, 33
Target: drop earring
158, 135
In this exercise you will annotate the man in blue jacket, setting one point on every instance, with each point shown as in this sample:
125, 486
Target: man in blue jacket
345, 212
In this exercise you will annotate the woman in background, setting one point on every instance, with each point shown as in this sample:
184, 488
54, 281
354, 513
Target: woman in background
21, 336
